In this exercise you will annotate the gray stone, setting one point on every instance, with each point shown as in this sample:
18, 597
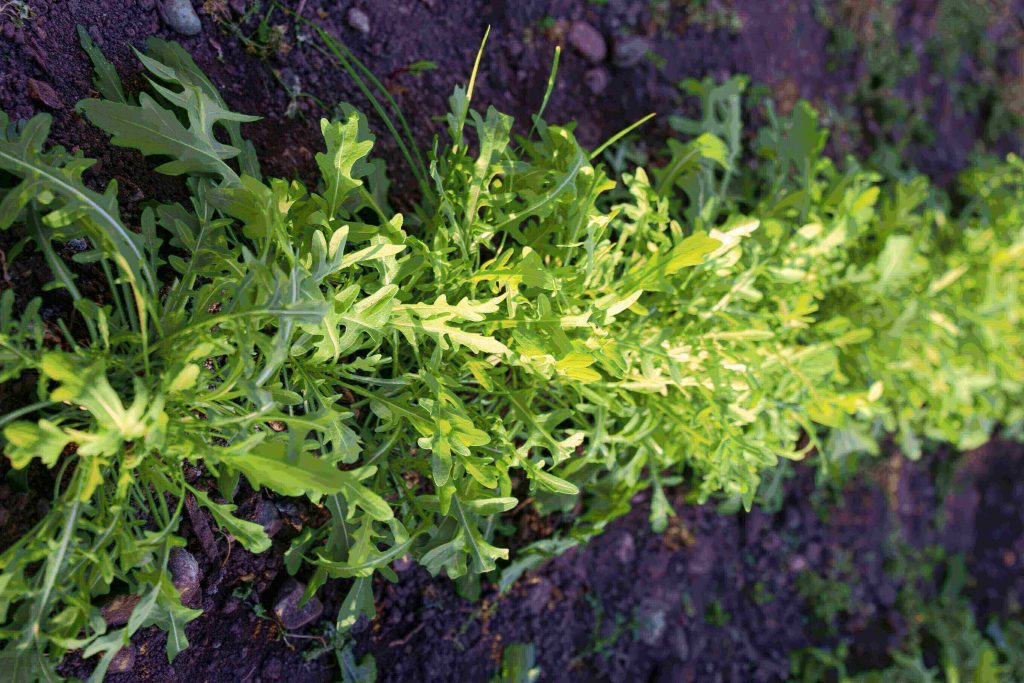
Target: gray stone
181, 16
597, 79
631, 50
588, 41
651, 625
625, 548
287, 608
185, 574
358, 20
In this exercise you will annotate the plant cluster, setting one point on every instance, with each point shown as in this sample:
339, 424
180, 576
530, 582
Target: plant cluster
532, 332
944, 641
969, 45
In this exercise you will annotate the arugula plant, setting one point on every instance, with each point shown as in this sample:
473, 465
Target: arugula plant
525, 333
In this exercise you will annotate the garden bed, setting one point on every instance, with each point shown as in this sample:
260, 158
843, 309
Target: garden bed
715, 597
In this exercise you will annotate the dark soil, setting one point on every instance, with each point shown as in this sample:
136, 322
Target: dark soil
715, 598
632, 605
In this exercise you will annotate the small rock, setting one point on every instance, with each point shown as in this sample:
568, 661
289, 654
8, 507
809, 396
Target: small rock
680, 644
631, 50
358, 20
538, 598
77, 245
597, 80
887, 595
402, 564
797, 564
588, 41
238, 6
651, 625
625, 551
702, 559
181, 16
269, 518
123, 661
44, 93
185, 574
287, 607
119, 609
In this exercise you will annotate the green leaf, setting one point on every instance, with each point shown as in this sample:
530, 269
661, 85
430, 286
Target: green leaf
155, 130
105, 78
344, 151
251, 535
359, 600
268, 464
26, 441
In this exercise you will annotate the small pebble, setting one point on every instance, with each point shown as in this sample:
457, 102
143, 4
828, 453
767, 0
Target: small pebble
181, 16
402, 564
119, 609
539, 596
358, 20
185, 574
269, 518
588, 41
597, 80
123, 661
287, 607
650, 625
625, 549
44, 93
631, 50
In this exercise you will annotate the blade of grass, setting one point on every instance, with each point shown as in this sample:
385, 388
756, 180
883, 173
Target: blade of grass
357, 70
618, 136
547, 91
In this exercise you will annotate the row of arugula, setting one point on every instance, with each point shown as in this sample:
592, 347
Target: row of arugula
532, 332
